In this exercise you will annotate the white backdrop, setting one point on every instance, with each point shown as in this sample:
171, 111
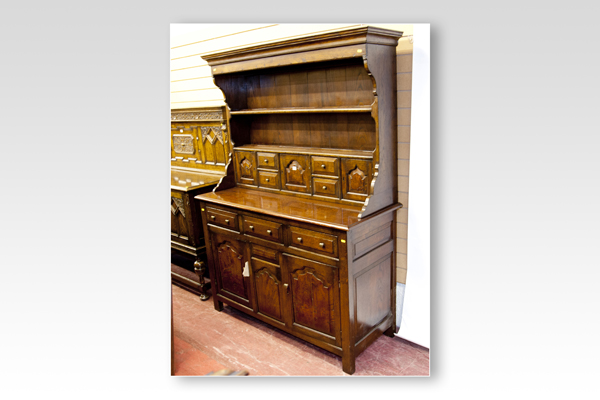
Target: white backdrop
415, 324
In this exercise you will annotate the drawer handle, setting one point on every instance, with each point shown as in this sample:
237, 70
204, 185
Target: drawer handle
227, 221
267, 180
266, 161
269, 231
300, 239
212, 217
251, 227
323, 166
322, 245
287, 288
324, 187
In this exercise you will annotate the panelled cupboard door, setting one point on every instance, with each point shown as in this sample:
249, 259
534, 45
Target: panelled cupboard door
269, 289
315, 298
230, 262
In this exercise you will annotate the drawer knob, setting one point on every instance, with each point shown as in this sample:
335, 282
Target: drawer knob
266, 161
323, 166
300, 239
269, 231
212, 217
267, 180
322, 245
251, 227
226, 221
324, 187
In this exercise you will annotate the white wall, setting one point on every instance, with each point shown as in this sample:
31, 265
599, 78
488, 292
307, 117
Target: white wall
415, 325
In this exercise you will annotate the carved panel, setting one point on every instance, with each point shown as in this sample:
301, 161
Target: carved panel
246, 169
313, 301
294, 172
268, 293
179, 228
357, 181
178, 206
196, 116
183, 144
231, 265
357, 177
212, 133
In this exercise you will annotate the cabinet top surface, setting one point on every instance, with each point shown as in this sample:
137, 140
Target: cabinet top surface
290, 207
185, 181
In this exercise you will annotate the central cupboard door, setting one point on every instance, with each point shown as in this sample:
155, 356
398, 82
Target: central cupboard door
314, 298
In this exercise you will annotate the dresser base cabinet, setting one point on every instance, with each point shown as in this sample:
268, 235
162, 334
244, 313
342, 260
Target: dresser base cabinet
339, 296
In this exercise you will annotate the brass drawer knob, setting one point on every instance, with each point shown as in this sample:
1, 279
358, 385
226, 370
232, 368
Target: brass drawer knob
323, 166
269, 231
322, 245
267, 180
251, 227
266, 161
300, 239
212, 217
226, 221
324, 187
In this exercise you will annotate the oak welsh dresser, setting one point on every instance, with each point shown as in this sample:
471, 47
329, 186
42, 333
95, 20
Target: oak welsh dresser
302, 229
200, 151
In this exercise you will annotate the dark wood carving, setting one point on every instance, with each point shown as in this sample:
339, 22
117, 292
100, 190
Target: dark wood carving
294, 173
231, 267
357, 181
246, 168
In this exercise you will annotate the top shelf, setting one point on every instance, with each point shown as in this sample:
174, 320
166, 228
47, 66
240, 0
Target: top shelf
303, 110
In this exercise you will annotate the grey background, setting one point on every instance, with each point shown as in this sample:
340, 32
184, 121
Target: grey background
84, 162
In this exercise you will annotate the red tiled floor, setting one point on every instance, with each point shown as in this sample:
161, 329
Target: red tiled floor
231, 339
190, 361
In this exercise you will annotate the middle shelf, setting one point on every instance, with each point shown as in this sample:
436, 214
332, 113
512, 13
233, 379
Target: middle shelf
303, 110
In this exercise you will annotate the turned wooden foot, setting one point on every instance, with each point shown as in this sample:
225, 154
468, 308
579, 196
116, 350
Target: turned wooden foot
200, 269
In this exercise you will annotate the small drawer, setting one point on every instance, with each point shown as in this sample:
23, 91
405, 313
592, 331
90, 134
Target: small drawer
265, 253
222, 218
263, 229
267, 160
325, 166
326, 187
315, 241
268, 179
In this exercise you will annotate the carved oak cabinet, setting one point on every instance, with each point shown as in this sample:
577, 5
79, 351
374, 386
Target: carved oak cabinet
199, 155
302, 228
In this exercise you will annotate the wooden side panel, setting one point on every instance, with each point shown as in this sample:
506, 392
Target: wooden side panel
373, 297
